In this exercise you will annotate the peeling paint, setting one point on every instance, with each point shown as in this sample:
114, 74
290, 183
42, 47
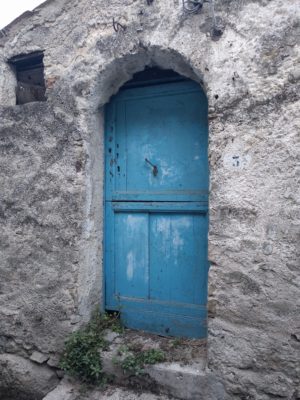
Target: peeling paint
130, 265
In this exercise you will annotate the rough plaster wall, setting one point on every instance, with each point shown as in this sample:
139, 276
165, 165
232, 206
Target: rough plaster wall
251, 78
7, 84
40, 224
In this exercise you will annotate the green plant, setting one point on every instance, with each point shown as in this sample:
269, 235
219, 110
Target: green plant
135, 363
177, 342
102, 322
81, 357
123, 349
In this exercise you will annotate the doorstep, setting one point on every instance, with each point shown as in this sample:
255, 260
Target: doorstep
68, 389
182, 375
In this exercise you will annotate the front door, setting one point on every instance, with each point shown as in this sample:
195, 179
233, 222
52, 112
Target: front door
156, 208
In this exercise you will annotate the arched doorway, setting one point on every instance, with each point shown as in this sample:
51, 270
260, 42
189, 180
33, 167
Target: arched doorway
156, 204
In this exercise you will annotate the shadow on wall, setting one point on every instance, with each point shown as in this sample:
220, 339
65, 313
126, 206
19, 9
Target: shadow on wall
9, 394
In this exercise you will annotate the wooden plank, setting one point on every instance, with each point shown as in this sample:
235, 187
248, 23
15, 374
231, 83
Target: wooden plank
166, 207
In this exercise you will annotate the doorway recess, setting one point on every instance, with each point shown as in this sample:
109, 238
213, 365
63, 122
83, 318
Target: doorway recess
156, 204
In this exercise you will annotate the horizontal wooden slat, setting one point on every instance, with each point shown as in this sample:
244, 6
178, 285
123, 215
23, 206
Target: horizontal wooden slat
168, 207
159, 196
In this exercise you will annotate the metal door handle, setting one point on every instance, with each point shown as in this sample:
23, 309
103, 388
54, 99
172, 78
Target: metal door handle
155, 169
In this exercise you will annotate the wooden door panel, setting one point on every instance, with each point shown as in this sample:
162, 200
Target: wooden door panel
156, 223
161, 256
170, 131
132, 255
164, 131
178, 266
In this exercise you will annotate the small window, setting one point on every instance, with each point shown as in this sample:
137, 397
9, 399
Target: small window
29, 70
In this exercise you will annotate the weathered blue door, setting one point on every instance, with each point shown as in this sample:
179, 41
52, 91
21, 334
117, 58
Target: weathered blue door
156, 208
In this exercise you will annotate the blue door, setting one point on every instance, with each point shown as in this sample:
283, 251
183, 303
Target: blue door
156, 208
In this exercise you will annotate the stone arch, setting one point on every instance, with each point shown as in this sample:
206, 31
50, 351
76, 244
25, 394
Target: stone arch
106, 81
111, 76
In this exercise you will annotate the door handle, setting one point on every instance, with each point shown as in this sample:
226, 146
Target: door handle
154, 167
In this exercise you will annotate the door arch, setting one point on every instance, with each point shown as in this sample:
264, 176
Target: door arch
156, 204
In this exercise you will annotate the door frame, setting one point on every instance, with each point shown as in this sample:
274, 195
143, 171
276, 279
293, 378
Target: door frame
108, 247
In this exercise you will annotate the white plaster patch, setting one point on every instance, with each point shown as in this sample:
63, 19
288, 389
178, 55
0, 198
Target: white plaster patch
184, 222
177, 240
133, 223
235, 160
131, 219
130, 265
163, 225
167, 172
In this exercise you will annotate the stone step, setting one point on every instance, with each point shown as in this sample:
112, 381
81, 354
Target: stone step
182, 375
191, 381
168, 381
70, 390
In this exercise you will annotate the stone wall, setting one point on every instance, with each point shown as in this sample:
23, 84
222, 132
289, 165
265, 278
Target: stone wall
52, 174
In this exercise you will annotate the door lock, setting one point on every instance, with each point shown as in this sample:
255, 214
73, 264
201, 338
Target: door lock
154, 167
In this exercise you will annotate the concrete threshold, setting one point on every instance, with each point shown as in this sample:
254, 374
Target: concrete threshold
168, 382
187, 382
70, 390
183, 374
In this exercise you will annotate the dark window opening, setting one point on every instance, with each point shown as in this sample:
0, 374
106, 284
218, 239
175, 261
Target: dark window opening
29, 70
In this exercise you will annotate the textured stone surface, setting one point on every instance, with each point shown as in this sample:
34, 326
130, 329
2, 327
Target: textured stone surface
24, 380
66, 390
69, 390
51, 174
38, 357
183, 373
186, 382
